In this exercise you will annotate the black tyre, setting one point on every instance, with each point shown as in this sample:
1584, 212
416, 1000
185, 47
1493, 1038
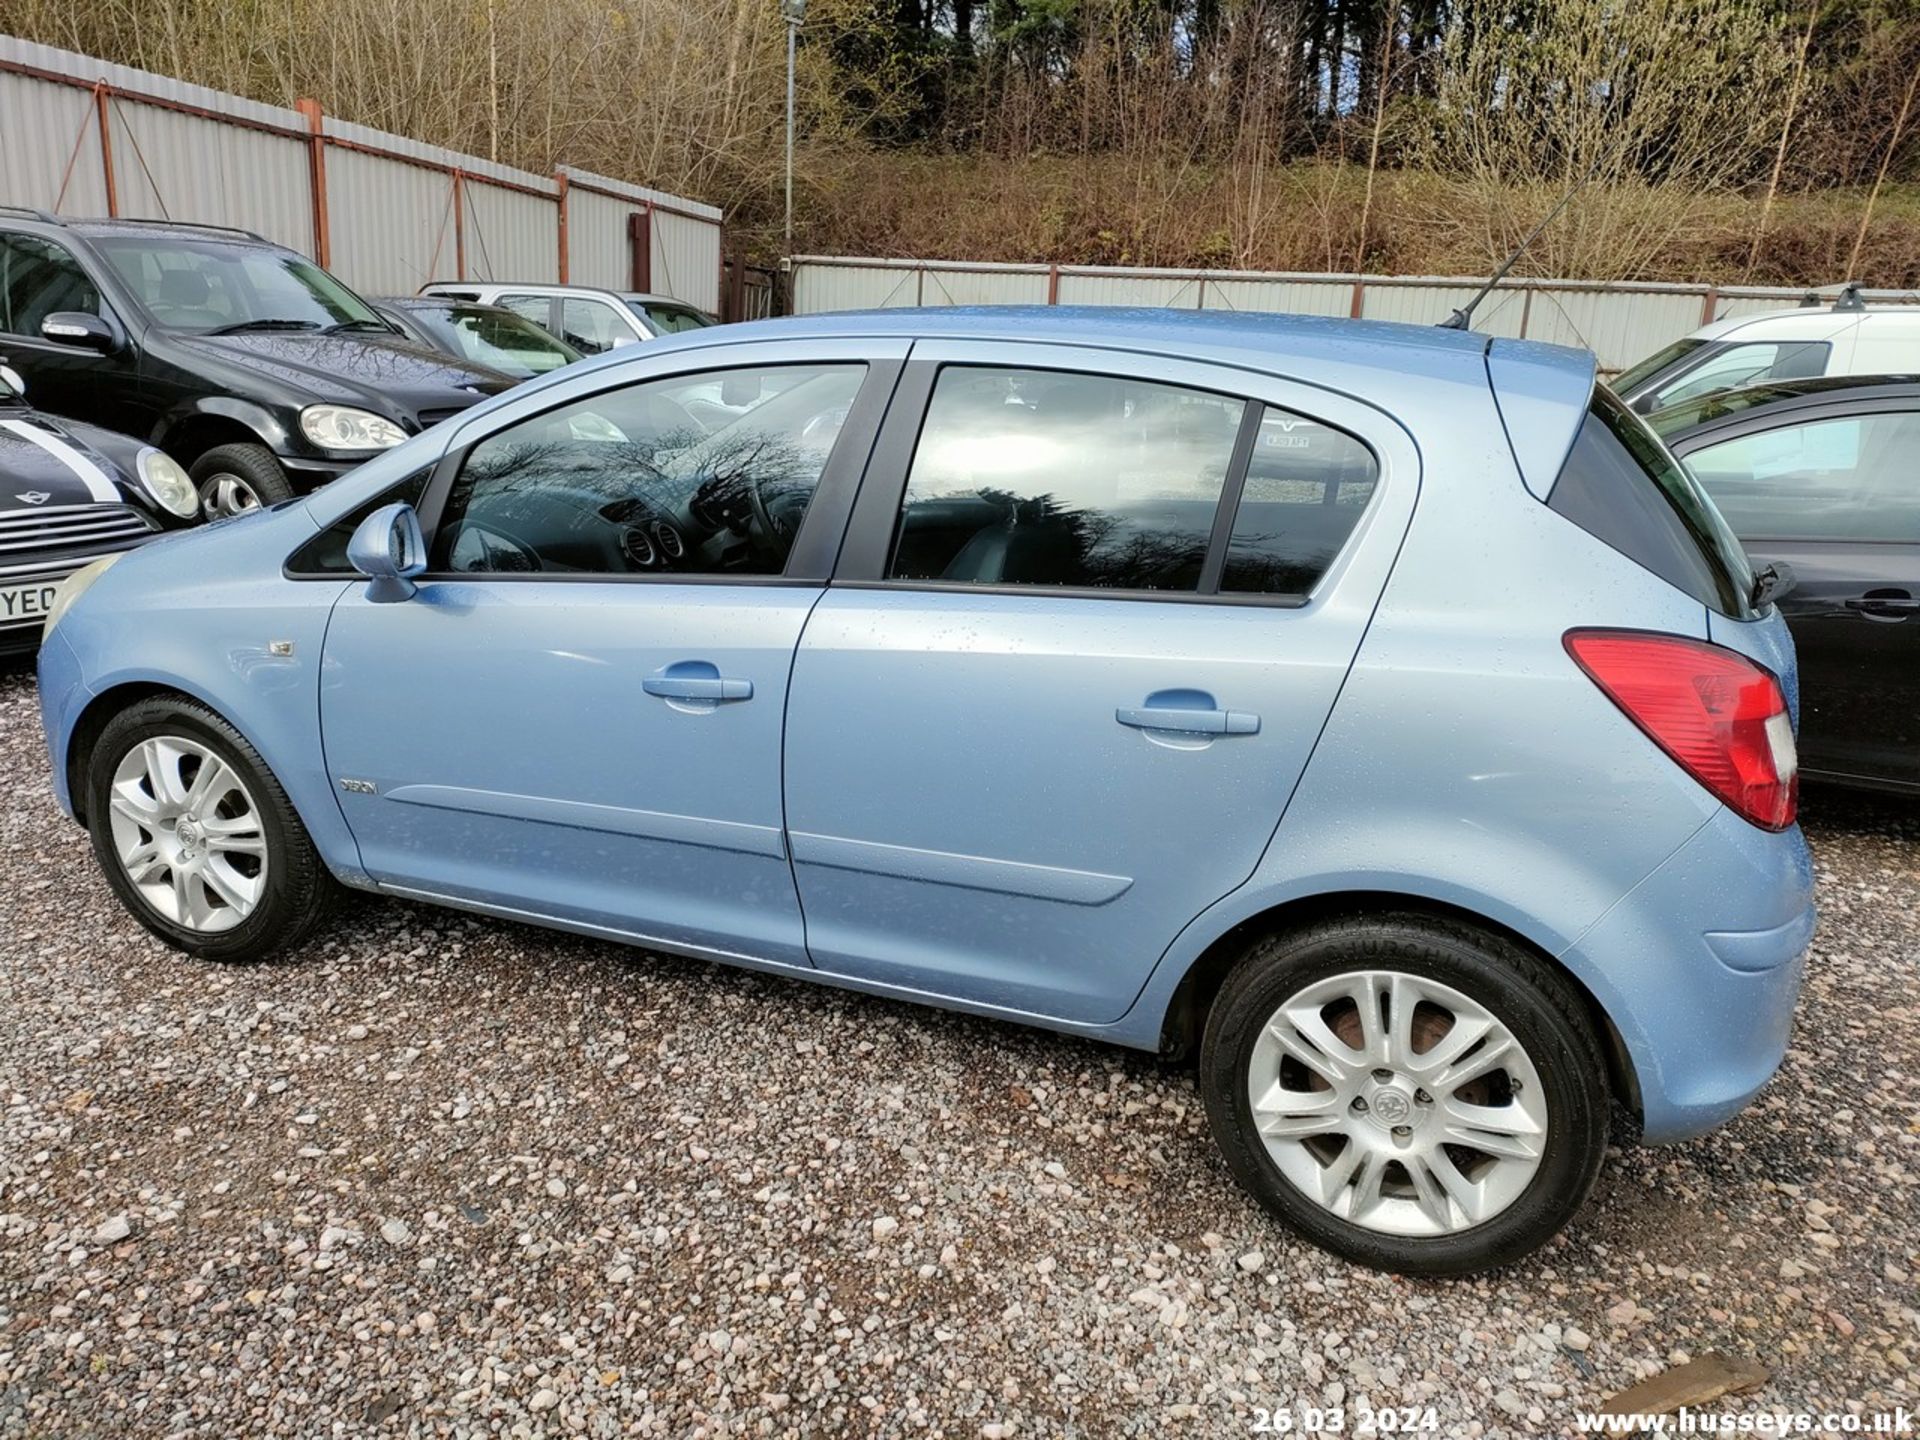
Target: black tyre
1414, 1094
233, 479
196, 836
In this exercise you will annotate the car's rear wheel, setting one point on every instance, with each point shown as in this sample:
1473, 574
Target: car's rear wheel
1414, 1094
196, 836
233, 479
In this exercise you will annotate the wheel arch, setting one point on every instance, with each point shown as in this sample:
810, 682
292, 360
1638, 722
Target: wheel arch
98, 713
1186, 1013
217, 421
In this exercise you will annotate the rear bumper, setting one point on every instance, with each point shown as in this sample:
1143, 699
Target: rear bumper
1699, 967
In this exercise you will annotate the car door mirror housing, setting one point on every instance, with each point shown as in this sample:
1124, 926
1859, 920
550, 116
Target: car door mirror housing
389, 550
80, 330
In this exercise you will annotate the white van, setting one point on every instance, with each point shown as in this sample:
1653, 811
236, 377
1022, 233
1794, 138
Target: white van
1847, 338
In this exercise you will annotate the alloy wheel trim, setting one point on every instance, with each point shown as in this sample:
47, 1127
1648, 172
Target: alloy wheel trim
223, 493
1375, 1133
188, 834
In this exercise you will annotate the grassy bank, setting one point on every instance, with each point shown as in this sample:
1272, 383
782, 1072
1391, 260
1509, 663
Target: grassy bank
1321, 217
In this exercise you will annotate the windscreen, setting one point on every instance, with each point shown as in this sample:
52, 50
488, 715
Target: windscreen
1621, 486
215, 286
1632, 378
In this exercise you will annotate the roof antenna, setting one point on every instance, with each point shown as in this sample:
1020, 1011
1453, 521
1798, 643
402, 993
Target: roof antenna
1462, 319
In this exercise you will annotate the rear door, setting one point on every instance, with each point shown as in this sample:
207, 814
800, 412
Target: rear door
1837, 496
1091, 615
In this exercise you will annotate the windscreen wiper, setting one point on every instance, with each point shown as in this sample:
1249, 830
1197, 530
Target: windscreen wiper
241, 326
379, 325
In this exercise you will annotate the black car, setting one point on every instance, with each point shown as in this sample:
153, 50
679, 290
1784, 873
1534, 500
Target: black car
71, 494
1824, 474
246, 362
488, 335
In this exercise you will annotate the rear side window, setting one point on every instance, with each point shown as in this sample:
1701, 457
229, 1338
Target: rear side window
1307, 484
1622, 487
1036, 477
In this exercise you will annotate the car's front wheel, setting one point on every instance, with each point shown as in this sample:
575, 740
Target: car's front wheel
196, 836
233, 479
1414, 1094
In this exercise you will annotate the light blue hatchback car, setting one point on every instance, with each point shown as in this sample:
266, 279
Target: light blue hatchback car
1378, 711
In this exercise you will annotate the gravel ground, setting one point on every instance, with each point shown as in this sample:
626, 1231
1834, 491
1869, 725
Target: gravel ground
447, 1176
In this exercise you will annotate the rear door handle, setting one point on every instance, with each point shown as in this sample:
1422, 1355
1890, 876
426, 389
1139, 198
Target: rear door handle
1884, 605
1190, 722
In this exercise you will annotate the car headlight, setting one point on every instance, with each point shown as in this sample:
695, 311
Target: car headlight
163, 479
341, 427
72, 588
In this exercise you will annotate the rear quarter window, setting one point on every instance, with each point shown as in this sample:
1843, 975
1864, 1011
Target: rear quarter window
1621, 486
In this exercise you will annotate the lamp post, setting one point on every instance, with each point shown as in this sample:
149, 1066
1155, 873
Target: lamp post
793, 12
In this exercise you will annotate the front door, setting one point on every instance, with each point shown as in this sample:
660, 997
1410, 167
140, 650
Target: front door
38, 278
1838, 498
1089, 621
578, 714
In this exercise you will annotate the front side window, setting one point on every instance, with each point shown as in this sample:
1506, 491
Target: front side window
1849, 479
592, 327
1307, 485
664, 319
221, 287
1746, 364
1035, 477
651, 479
537, 308
326, 553
37, 279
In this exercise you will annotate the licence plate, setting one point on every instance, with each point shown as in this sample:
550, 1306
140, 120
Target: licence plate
26, 602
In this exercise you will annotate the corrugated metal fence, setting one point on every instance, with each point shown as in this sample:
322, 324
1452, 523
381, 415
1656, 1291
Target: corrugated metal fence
80, 136
1620, 323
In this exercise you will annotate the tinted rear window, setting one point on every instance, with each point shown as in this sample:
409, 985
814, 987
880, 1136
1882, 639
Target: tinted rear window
1621, 486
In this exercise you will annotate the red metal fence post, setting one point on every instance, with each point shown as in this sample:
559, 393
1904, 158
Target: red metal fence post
101, 93
560, 181
640, 250
317, 178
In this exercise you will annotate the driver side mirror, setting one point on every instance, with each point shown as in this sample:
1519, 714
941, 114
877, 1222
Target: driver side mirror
80, 330
389, 550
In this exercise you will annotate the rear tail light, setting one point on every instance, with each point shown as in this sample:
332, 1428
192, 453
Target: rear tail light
1714, 711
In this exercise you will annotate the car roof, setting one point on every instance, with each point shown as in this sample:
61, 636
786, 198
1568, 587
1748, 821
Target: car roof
1377, 341
1810, 322
548, 287
426, 302
1780, 396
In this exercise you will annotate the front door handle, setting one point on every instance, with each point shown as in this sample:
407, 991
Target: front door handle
697, 687
1189, 722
